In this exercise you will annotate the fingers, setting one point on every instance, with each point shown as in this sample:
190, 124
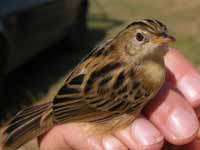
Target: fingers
141, 135
112, 143
173, 116
54, 139
76, 136
187, 78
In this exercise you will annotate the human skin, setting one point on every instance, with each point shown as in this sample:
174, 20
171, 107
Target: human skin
172, 116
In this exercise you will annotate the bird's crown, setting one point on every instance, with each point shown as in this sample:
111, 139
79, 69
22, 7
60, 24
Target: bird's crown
151, 25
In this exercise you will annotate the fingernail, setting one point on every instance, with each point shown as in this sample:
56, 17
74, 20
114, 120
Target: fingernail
112, 143
182, 124
190, 87
145, 133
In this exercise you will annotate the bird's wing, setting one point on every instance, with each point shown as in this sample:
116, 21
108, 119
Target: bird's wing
98, 88
115, 88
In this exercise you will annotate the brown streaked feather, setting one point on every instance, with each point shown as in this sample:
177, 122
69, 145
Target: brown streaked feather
152, 25
101, 89
26, 124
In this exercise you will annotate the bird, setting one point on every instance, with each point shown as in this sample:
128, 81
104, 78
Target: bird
108, 88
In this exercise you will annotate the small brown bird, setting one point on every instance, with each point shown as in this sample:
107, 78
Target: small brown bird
107, 88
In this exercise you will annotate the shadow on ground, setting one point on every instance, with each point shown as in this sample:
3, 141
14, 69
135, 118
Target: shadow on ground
32, 82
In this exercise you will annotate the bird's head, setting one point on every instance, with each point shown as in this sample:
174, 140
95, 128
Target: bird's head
147, 38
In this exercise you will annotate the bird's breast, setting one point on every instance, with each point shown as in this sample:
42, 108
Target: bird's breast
152, 74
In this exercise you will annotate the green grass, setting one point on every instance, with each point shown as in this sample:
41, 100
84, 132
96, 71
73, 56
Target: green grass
181, 17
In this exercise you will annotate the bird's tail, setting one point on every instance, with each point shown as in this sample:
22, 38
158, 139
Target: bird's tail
26, 125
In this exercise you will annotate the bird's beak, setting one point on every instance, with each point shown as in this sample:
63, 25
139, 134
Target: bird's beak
165, 38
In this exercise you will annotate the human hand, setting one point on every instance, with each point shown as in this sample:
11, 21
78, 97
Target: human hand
170, 116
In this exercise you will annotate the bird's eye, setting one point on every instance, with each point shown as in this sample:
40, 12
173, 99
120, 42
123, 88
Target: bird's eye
139, 37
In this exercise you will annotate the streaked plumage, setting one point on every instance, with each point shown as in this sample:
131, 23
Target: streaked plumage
108, 88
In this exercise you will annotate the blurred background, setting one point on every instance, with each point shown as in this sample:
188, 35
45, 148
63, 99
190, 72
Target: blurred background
41, 40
